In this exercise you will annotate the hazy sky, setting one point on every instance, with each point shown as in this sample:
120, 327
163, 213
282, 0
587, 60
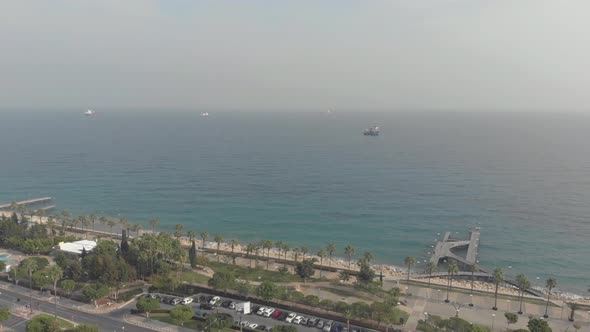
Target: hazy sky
366, 54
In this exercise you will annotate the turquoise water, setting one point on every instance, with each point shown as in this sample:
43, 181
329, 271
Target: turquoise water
4, 257
310, 178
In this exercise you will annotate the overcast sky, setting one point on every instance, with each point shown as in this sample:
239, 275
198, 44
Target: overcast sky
272, 54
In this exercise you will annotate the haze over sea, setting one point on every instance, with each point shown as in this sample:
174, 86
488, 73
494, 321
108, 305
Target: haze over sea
309, 178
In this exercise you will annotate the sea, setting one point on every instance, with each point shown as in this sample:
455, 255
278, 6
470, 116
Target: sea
311, 177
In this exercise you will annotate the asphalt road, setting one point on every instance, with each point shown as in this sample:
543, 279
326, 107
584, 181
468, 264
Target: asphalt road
106, 322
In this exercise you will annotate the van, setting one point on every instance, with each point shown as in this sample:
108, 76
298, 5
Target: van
328, 326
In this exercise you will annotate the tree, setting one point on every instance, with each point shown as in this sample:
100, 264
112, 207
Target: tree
511, 318
249, 249
321, 254
42, 323
222, 280
267, 290
147, 305
266, 244
55, 274
218, 239
498, 279
304, 251
137, 228
181, 314
538, 325
296, 252
92, 219
30, 266
233, 244
344, 276
451, 270
550, 284
523, 284
409, 261
430, 269
124, 243
154, 222
192, 254
304, 269
366, 274
68, 286
4, 315
178, 231
204, 236
349, 253
95, 292
331, 250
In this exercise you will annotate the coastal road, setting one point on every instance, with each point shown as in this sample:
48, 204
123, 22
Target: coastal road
104, 322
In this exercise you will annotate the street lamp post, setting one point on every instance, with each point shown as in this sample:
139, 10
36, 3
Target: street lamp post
471, 302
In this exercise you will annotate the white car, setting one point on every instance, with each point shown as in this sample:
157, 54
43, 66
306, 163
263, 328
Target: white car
214, 300
175, 302
253, 325
261, 311
268, 312
232, 305
187, 300
297, 319
289, 318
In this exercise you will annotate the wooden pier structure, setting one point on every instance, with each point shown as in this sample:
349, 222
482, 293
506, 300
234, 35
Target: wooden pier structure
447, 247
28, 201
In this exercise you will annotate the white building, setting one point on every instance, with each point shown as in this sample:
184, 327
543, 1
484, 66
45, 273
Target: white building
76, 248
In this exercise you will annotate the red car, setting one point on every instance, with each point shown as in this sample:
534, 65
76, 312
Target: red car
276, 314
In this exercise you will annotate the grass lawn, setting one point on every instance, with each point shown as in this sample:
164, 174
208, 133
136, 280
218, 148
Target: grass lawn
189, 324
64, 324
349, 293
194, 277
254, 274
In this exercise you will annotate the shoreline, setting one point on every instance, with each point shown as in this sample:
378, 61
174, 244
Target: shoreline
390, 271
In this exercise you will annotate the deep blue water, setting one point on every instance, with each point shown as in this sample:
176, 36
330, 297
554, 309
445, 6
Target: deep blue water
310, 178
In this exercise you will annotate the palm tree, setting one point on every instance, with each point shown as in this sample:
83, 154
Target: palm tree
55, 274
204, 236
191, 235
498, 278
77, 221
286, 250
266, 245
218, 239
349, 253
51, 226
367, 257
124, 222
137, 228
30, 266
92, 218
103, 220
154, 223
86, 222
65, 217
430, 269
321, 254
304, 251
249, 249
523, 284
296, 252
409, 261
40, 214
573, 307
178, 231
111, 223
233, 243
331, 250
550, 284
452, 270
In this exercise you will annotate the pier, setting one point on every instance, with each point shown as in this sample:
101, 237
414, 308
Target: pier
447, 247
28, 201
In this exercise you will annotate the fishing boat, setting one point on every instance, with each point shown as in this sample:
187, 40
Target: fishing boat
372, 131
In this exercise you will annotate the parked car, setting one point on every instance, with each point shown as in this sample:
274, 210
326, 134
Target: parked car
175, 301
206, 306
312, 321
328, 326
253, 325
304, 321
187, 300
276, 314
297, 319
225, 303
214, 300
244, 323
232, 305
261, 311
268, 312
320, 324
201, 313
261, 327
283, 315
290, 318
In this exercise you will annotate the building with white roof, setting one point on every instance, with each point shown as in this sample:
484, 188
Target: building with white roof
76, 248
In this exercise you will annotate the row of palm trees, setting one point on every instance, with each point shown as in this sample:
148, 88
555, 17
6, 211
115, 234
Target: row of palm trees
522, 281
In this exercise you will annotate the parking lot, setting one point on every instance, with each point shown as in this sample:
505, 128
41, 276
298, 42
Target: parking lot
261, 317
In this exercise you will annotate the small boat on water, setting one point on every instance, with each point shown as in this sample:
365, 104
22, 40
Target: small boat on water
372, 131
89, 112
204, 115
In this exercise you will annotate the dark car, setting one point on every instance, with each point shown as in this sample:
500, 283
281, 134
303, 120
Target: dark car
225, 303
167, 299
283, 315
311, 321
202, 299
206, 306
276, 314
261, 327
